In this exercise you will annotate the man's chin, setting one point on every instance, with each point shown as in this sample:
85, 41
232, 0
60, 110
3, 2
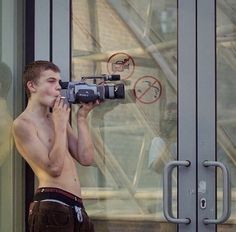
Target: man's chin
52, 103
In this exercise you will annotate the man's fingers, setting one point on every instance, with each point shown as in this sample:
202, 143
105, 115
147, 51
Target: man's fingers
57, 102
60, 103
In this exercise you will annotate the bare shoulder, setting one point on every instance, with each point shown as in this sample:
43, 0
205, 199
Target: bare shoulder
22, 126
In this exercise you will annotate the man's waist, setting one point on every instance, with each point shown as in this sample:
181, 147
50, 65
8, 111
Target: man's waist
57, 194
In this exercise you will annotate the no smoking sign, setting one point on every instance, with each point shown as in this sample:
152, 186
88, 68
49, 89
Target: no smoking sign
147, 89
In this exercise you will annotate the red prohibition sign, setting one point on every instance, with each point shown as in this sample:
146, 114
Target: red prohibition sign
147, 89
121, 63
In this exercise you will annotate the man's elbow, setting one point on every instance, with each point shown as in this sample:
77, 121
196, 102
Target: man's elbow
54, 171
88, 158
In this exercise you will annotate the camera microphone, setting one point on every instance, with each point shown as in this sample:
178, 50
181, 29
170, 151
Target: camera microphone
113, 77
105, 77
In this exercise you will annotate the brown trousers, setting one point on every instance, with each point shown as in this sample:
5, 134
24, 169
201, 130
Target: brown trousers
47, 216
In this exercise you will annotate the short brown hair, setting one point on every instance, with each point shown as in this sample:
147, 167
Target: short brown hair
33, 70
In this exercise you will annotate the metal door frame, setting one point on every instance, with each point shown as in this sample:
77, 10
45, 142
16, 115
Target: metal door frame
197, 112
48, 37
206, 115
187, 112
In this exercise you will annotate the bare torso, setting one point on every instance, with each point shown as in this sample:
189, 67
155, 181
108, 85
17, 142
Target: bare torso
68, 179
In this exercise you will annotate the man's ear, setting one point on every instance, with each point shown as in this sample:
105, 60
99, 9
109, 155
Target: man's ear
31, 86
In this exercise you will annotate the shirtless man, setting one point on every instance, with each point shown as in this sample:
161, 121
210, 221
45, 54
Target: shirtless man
46, 141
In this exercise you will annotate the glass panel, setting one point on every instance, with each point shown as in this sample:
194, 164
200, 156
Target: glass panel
226, 100
136, 136
10, 205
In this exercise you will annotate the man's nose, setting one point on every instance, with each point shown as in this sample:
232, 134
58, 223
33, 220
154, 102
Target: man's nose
58, 86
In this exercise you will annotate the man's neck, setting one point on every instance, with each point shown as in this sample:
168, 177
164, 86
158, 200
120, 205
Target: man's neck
37, 109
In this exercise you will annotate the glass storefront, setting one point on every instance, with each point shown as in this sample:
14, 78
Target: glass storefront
11, 59
134, 138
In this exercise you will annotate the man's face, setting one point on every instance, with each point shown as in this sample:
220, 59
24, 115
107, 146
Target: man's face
48, 87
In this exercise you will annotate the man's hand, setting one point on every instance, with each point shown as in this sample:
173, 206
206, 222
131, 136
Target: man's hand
61, 112
85, 108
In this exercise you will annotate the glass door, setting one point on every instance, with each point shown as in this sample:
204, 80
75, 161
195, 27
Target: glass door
147, 137
134, 137
226, 84
215, 96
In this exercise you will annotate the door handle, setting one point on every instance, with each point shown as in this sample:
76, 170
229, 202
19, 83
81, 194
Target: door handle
226, 193
167, 192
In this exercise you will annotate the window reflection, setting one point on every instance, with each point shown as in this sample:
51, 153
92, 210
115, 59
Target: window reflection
132, 39
5, 117
6, 222
11, 173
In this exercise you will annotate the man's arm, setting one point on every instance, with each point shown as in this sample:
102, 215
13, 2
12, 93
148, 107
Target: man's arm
81, 146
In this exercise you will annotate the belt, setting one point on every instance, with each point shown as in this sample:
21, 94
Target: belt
57, 194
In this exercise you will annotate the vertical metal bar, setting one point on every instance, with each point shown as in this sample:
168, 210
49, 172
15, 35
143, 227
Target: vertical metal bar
38, 47
0, 30
187, 111
42, 30
61, 44
206, 109
29, 57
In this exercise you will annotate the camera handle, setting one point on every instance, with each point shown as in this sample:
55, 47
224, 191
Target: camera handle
105, 77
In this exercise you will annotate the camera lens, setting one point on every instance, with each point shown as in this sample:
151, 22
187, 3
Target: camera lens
119, 90
114, 91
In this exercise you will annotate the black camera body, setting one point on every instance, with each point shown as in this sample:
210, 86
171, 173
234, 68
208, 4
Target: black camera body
81, 91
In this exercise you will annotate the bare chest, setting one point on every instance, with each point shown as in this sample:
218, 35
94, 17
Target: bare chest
45, 133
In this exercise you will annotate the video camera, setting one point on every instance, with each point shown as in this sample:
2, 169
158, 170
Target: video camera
80, 91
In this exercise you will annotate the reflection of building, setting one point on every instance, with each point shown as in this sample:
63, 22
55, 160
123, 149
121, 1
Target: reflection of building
163, 148
5, 118
5, 131
5, 80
